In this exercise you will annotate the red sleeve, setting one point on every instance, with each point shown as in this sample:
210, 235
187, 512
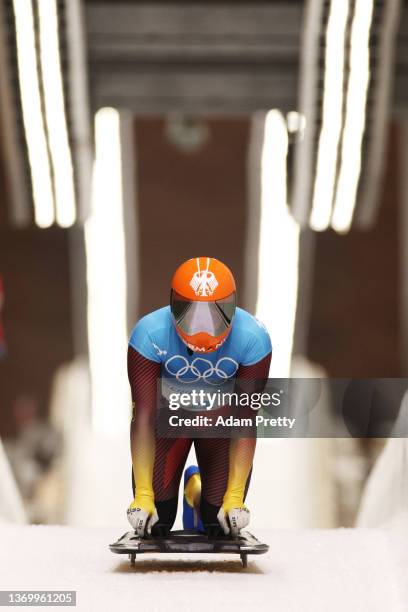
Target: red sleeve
257, 371
252, 379
143, 374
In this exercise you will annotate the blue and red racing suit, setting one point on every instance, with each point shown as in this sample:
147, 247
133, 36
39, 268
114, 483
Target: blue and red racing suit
156, 351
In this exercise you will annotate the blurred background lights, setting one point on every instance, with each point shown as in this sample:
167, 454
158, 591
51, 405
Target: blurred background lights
106, 280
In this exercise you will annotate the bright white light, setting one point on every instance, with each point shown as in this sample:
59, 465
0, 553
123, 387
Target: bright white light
278, 247
55, 113
32, 115
106, 277
332, 116
355, 117
296, 123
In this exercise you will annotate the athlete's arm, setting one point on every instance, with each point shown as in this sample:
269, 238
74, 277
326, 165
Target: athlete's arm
143, 374
241, 457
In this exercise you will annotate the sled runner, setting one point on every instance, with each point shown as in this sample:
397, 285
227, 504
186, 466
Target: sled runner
189, 541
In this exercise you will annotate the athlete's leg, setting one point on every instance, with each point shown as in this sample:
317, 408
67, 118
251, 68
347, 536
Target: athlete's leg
170, 457
213, 461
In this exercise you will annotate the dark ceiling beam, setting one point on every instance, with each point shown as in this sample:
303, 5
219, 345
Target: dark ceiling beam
157, 57
205, 56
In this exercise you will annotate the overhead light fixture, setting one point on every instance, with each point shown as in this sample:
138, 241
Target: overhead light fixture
326, 168
278, 242
354, 125
188, 134
34, 127
55, 113
106, 280
296, 125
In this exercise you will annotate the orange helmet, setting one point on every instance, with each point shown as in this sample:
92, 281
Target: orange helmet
203, 302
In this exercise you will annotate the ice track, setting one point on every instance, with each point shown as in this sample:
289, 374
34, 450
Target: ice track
338, 570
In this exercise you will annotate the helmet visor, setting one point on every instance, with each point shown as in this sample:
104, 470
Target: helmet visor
212, 318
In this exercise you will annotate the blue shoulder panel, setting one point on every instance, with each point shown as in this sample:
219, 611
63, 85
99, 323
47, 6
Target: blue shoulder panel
150, 334
252, 336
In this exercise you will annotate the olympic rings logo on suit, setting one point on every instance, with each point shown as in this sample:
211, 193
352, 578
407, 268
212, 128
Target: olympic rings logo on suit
211, 369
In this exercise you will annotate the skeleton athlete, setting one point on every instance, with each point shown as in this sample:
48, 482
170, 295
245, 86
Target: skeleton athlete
202, 337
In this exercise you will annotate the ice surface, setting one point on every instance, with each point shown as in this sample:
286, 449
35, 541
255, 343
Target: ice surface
311, 570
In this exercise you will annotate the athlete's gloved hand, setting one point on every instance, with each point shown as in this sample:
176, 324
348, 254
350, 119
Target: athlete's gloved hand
233, 517
142, 514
